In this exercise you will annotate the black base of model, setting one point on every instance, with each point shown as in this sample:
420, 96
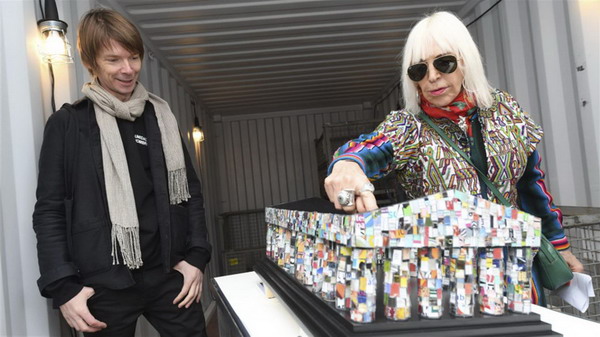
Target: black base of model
322, 319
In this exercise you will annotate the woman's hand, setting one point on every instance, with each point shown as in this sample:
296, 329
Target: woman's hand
347, 175
572, 261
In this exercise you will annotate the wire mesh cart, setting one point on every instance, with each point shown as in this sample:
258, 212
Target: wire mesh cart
582, 227
242, 236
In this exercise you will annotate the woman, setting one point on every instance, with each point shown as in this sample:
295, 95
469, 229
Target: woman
443, 76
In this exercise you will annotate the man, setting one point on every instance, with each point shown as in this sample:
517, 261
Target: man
119, 216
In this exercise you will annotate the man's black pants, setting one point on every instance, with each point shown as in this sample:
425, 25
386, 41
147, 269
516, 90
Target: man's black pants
151, 296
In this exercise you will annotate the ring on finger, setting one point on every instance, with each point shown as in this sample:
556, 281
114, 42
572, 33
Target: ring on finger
346, 197
367, 187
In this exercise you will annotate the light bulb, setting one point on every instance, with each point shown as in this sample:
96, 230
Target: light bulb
198, 134
54, 46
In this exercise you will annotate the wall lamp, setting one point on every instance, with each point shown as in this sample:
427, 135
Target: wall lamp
197, 132
54, 46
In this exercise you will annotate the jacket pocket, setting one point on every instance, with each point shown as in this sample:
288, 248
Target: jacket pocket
91, 246
179, 228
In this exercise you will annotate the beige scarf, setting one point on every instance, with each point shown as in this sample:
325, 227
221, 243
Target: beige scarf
121, 202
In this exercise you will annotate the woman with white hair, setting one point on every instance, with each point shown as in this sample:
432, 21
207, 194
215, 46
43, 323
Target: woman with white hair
444, 86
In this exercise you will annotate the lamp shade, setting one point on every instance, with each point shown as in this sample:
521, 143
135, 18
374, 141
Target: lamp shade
54, 46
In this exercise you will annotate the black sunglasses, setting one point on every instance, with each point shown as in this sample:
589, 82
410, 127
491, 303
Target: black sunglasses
446, 64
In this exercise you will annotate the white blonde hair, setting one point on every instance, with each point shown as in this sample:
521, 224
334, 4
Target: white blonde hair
450, 35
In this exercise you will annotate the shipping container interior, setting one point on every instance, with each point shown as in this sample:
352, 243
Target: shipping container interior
277, 86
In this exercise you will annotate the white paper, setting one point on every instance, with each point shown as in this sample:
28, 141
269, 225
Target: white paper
578, 292
397, 257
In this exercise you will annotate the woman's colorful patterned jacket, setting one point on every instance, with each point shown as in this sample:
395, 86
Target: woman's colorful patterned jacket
425, 164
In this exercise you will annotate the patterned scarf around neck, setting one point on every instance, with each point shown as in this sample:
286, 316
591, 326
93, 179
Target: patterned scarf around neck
457, 111
121, 203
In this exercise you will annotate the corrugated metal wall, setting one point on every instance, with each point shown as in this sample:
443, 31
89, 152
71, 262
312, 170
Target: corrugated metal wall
271, 158
531, 50
20, 96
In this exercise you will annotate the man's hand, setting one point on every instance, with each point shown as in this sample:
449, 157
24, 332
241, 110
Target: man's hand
192, 284
77, 314
347, 175
572, 261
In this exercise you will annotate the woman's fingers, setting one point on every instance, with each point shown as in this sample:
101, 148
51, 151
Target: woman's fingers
360, 204
345, 175
572, 261
369, 201
349, 209
330, 190
343, 171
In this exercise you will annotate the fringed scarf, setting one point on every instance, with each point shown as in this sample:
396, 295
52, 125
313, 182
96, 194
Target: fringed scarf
121, 203
457, 111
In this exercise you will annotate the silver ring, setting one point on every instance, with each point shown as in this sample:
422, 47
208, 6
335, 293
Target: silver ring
346, 197
367, 187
